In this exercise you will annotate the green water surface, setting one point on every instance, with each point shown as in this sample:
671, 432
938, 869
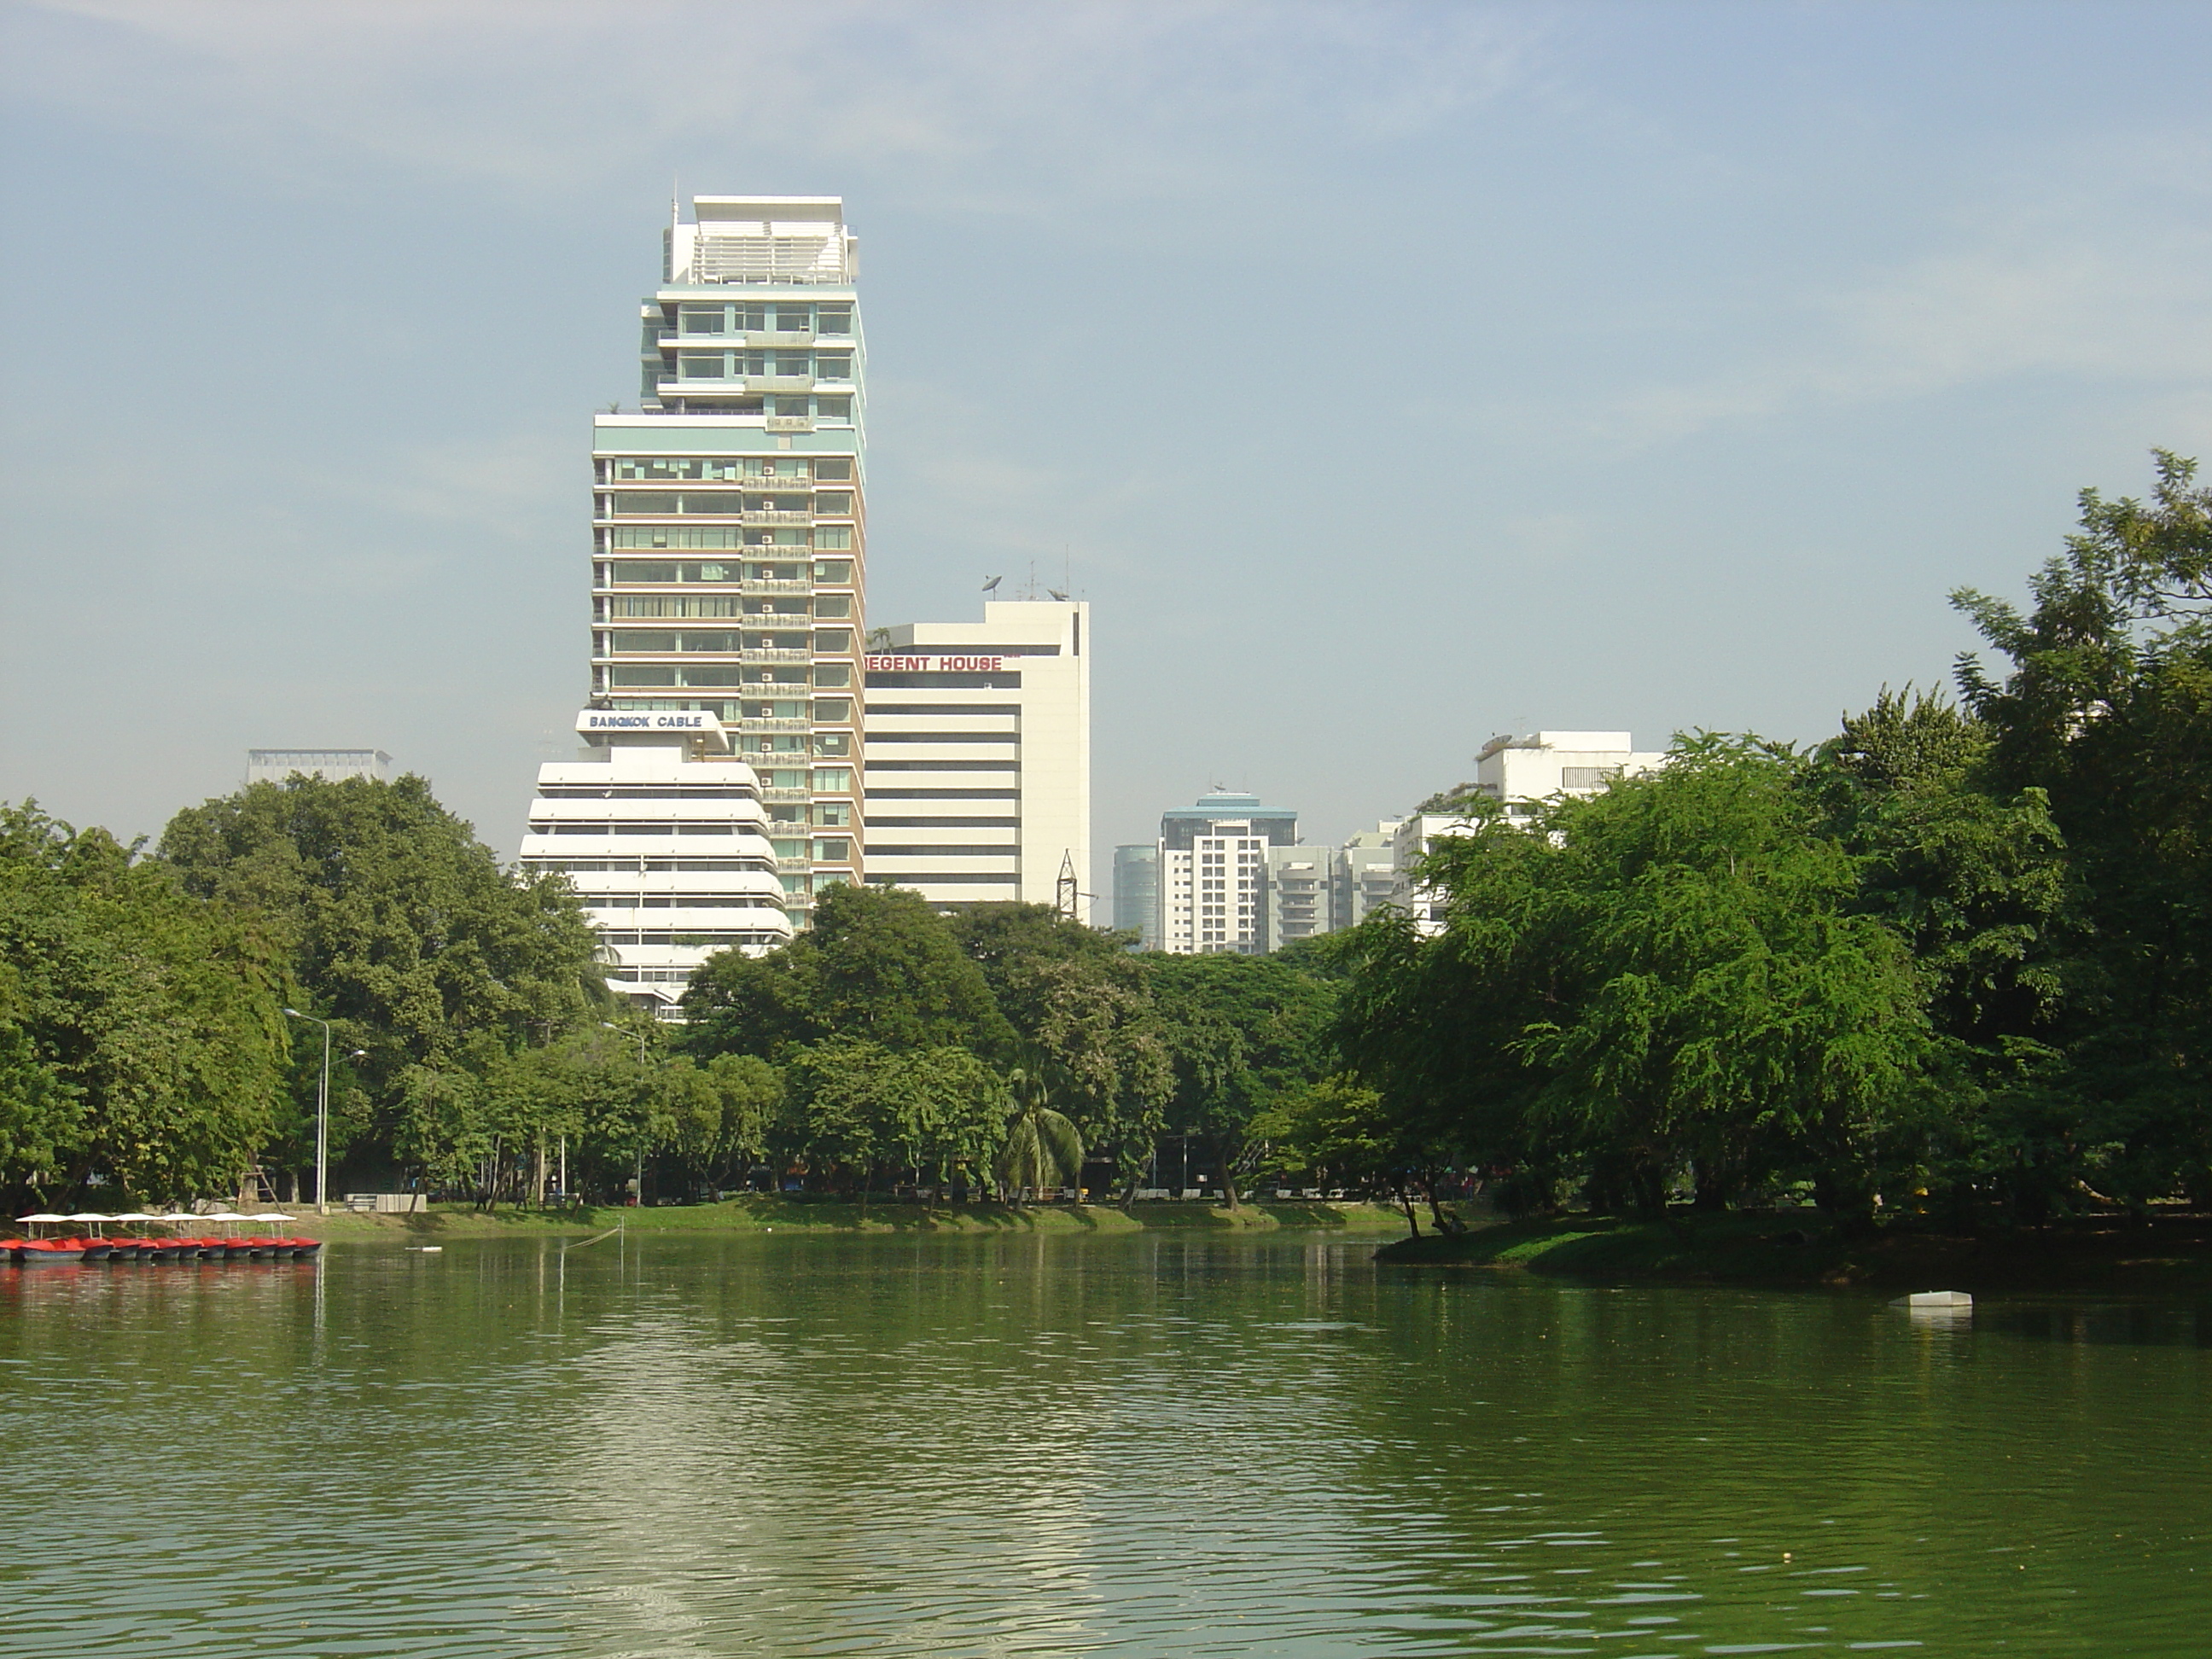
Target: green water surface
1145, 1444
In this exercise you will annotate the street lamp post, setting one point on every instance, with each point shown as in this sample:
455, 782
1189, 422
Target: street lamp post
322, 1117
611, 1026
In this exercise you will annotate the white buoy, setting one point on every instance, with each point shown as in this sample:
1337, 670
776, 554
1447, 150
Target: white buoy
427, 1249
1935, 1299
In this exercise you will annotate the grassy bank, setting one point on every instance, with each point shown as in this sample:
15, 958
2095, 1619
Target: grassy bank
763, 1212
2161, 1253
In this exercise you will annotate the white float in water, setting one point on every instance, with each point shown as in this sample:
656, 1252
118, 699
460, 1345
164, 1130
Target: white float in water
1935, 1299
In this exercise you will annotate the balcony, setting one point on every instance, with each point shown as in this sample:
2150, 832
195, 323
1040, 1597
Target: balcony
758, 339
793, 866
762, 585
774, 654
752, 727
790, 422
762, 516
785, 798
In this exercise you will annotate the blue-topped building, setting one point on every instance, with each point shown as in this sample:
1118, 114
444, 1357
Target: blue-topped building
1212, 873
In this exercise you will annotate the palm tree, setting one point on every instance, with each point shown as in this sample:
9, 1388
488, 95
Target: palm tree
1043, 1148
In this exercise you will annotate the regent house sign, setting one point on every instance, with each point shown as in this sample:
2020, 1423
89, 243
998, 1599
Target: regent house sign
936, 664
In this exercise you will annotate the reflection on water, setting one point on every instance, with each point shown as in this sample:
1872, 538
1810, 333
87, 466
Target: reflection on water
1152, 1444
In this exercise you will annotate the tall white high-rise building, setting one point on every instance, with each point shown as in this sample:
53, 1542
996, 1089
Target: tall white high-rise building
661, 830
978, 769
1212, 863
729, 557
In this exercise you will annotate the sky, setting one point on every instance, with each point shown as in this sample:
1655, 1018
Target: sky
1386, 376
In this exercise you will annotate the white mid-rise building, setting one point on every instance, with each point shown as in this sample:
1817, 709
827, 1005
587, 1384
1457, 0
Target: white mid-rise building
1367, 872
1212, 865
977, 777
1516, 773
1297, 893
661, 830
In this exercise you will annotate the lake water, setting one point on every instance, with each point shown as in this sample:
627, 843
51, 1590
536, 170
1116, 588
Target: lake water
1149, 1444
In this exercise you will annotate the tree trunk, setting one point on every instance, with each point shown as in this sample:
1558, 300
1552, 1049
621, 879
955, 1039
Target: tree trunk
1406, 1203
1223, 1166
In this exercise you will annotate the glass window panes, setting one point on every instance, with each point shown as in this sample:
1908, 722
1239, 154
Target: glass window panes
833, 711
834, 320
834, 606
700, 319
835, 409
794, 319
834, 501
749, 319
699, 366
833, 469
833, 366
674, 466
832, 640
838, 572
833, 535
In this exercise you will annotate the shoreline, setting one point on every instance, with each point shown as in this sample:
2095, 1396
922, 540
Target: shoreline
2163, 1254
766, 1212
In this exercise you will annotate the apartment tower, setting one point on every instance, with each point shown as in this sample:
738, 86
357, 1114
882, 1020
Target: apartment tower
729, 530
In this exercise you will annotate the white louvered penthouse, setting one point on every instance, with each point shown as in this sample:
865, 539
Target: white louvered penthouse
662, 831
729, 561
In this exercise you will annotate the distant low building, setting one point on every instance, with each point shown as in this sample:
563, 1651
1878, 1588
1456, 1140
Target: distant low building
275, 765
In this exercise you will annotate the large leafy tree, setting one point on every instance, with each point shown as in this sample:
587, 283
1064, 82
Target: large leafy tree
141, 1039
1242, 1033
1083, 1009
878, 964
2105, 706
397, 925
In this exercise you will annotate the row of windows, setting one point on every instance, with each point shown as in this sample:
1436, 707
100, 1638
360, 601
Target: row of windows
944, 707
784, 317
691, 866
795, 543
682, 901
625, 937
834, 573
798, 470
887, 682
783, 364
944, 766
944, 794
786, 405
946, 737
948, 822
828, 641
834, 503
645, 676
645, 792
676, 606
793, 746
641, 827
1001, 851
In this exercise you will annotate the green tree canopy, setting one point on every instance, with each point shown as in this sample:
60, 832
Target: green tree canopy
878, 964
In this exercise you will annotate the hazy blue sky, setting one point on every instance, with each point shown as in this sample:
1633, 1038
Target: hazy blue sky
1391, 374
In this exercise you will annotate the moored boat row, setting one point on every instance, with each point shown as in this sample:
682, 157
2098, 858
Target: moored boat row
197, 1246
